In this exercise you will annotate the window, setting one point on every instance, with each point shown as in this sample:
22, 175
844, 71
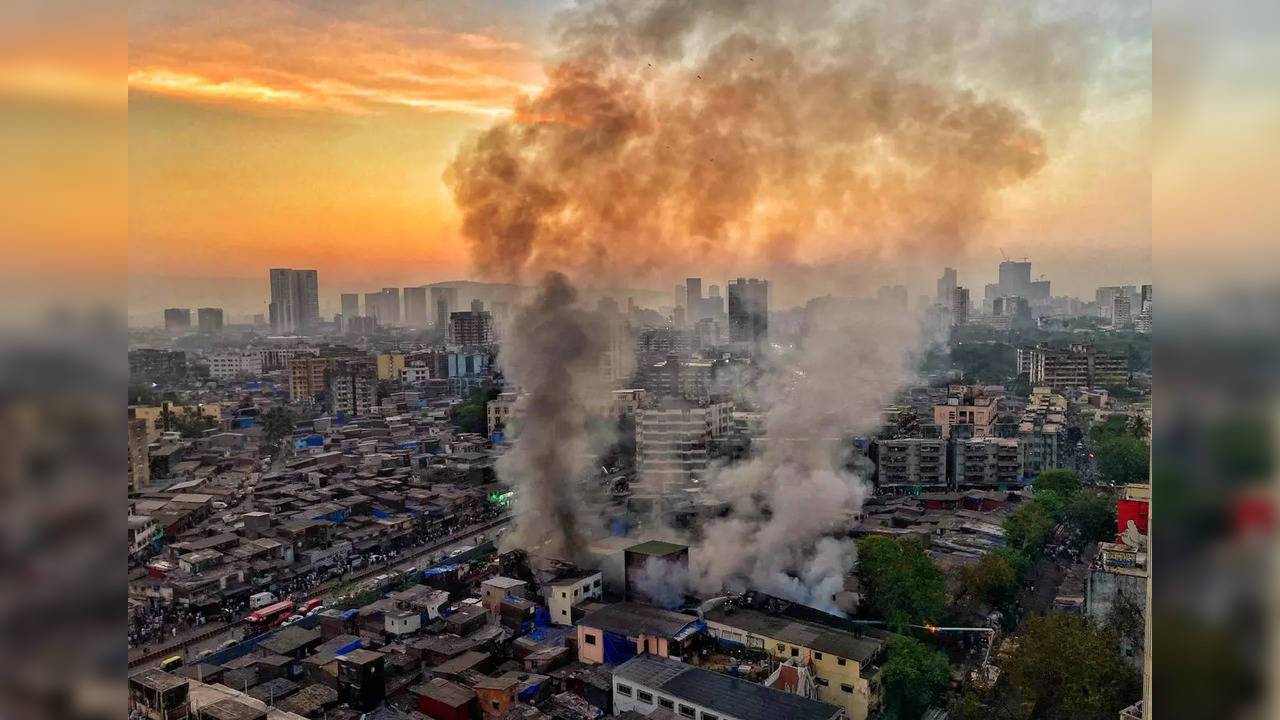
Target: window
795, 652
596, 583
817, 656
495, 704
847, 688
575, 592
564, 594
687, 711
565, 612
644, 697
820, 682
666, 703
591, 639
781, 647
709, 716
840, 661
624, 689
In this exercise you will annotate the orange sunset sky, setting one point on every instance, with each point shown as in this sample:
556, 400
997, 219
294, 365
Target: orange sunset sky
265, 134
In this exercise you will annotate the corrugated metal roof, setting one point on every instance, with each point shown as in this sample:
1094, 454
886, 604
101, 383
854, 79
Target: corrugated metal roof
721, 693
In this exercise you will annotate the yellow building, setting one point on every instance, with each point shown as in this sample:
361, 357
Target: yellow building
390, 365
846, 667
153, 415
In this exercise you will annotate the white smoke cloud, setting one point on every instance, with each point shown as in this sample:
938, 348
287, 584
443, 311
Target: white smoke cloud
665, 583
794, 500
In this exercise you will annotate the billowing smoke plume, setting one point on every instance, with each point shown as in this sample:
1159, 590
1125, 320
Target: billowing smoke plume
768, 134
664, 583
793, 502
552, 354
672, 132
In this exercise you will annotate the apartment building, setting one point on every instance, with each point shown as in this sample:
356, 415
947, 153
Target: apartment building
986, 463
911, 464
671, 443
1080, 365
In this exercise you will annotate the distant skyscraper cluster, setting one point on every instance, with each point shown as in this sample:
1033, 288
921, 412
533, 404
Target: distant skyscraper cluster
177, 320
383, 306
209, 320
749, 313
415, 306
295, 301
444, 300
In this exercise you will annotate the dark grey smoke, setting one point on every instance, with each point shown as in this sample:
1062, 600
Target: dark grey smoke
552, 353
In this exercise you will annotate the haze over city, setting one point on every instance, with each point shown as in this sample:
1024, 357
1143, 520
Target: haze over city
675, 358
290, 135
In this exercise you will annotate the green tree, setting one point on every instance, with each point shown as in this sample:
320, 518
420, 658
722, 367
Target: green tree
1065, 483
1123, 459
901, 580
1063, 667
915, 678
1112, 426
992, 581
471, 415
192, 422
1092, 517
1139, 427
277, 424
168, 418
1028, 528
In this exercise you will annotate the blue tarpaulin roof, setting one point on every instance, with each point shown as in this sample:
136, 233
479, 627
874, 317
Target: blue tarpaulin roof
530, 691
695, 627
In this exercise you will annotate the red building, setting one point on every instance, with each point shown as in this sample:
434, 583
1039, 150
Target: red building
1134, 507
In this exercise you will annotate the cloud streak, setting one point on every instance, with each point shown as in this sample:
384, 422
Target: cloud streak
355, 66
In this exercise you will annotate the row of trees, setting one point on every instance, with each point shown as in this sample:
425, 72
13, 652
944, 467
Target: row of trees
1121, 451
189, 421
471, 415
902, 585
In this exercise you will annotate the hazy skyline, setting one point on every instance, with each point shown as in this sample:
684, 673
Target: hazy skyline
317, 135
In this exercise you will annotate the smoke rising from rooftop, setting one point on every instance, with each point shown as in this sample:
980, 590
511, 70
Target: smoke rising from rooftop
793, 501
674, 134
553, 355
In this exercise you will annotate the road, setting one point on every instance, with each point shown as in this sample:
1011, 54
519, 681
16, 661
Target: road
214, 635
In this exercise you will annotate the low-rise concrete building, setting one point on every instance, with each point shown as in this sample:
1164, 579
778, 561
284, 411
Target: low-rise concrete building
648, 684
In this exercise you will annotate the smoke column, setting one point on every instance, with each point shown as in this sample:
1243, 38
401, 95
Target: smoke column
673, 133
553, 355
793, 500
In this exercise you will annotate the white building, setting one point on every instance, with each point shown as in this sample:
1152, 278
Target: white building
561, 595
648, 682
671, 443
235, 364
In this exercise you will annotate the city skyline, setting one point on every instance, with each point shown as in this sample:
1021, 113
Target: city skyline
240, 306
328, 151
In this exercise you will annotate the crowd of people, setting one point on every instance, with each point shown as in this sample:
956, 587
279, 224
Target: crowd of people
151, 625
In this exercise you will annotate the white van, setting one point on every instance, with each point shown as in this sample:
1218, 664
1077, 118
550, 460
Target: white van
261, 600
